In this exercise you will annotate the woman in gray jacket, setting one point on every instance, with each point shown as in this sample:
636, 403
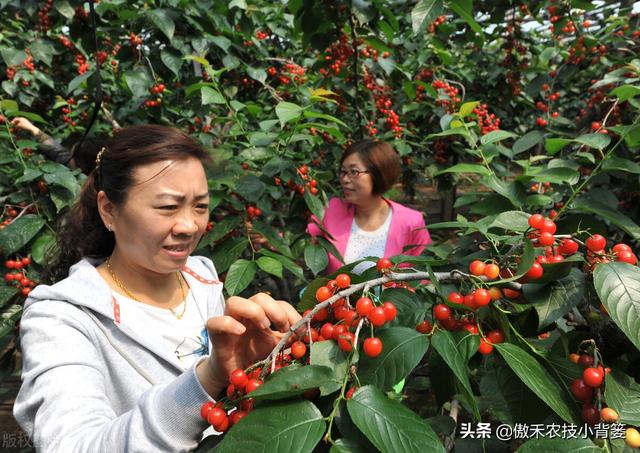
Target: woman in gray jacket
120, 353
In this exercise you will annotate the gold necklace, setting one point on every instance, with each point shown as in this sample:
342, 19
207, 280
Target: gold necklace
131, 296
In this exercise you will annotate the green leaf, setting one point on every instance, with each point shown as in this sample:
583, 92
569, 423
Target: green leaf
270, 265
402, 350
508, 399
12, 56
615, 163
251, 187
257, 74
625, 92
330, 248
559, 445
554, 175
423, 13
287, 111
553, 145
496, 136
329, 354
411, 307
9, 292
608, 213
389, 425
538, 380
512, 221
314, 204
598, 141
240, 274
42, 246
65, 9
618, 287
211, 96
444, 343
229, 251
288, 263
138, 82
463, 8
30, 174
8, 319
171, 60
281, 427
18, 233
467, 108
556, 299
294, 380
465, 168
316, 258
77, 81
220, 230
163, 21
527, 141
42, 51
272, 237
622, 393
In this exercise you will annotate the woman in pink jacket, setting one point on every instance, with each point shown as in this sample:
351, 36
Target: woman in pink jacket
364, 223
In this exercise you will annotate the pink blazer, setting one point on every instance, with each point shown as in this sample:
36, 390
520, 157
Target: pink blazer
407, 228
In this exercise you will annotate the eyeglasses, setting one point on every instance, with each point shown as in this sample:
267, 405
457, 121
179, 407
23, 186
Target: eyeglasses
352, 173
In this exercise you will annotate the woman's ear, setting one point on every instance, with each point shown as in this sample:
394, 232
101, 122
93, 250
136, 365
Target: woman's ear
106, 209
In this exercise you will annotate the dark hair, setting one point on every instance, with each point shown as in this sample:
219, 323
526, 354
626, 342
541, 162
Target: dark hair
81, 232
84, 153
381, 161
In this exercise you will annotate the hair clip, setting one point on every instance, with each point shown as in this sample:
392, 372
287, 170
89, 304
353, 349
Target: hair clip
99, 156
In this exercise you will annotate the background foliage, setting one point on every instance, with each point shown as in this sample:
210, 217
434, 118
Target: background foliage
520, 107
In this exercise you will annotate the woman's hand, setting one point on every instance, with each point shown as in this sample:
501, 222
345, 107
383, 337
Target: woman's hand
243, 335
25, 125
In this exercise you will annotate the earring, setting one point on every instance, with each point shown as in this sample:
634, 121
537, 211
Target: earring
110, 227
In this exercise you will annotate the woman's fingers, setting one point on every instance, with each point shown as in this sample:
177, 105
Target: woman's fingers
239, 307
274, 310
225, 325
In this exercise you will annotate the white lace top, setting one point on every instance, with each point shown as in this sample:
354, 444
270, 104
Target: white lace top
366, 243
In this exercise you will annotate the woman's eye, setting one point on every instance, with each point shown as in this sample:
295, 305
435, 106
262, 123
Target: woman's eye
203, 206
168, 208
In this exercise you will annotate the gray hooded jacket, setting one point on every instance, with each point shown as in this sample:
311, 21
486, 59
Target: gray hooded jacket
92, 385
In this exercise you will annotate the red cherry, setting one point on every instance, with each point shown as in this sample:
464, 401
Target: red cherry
546, 239
585, 360
492, 271
536, 221
343, 281
477, 267
621, 248
481, 297
471, 328
593, 377
323, 293
568, 247
252, 384
581, 391
596, 243
441, 312
298, 349
346, 340
495, 336
327, 330
383, 264
424, 327
548, 226
206, 408
535, 272
377, 317
364, 305
236, 416
541, 122
485, 348
596, 125
238, 378
216, 416
625, 256
390, 311
455, 298
350, 392
372, 347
